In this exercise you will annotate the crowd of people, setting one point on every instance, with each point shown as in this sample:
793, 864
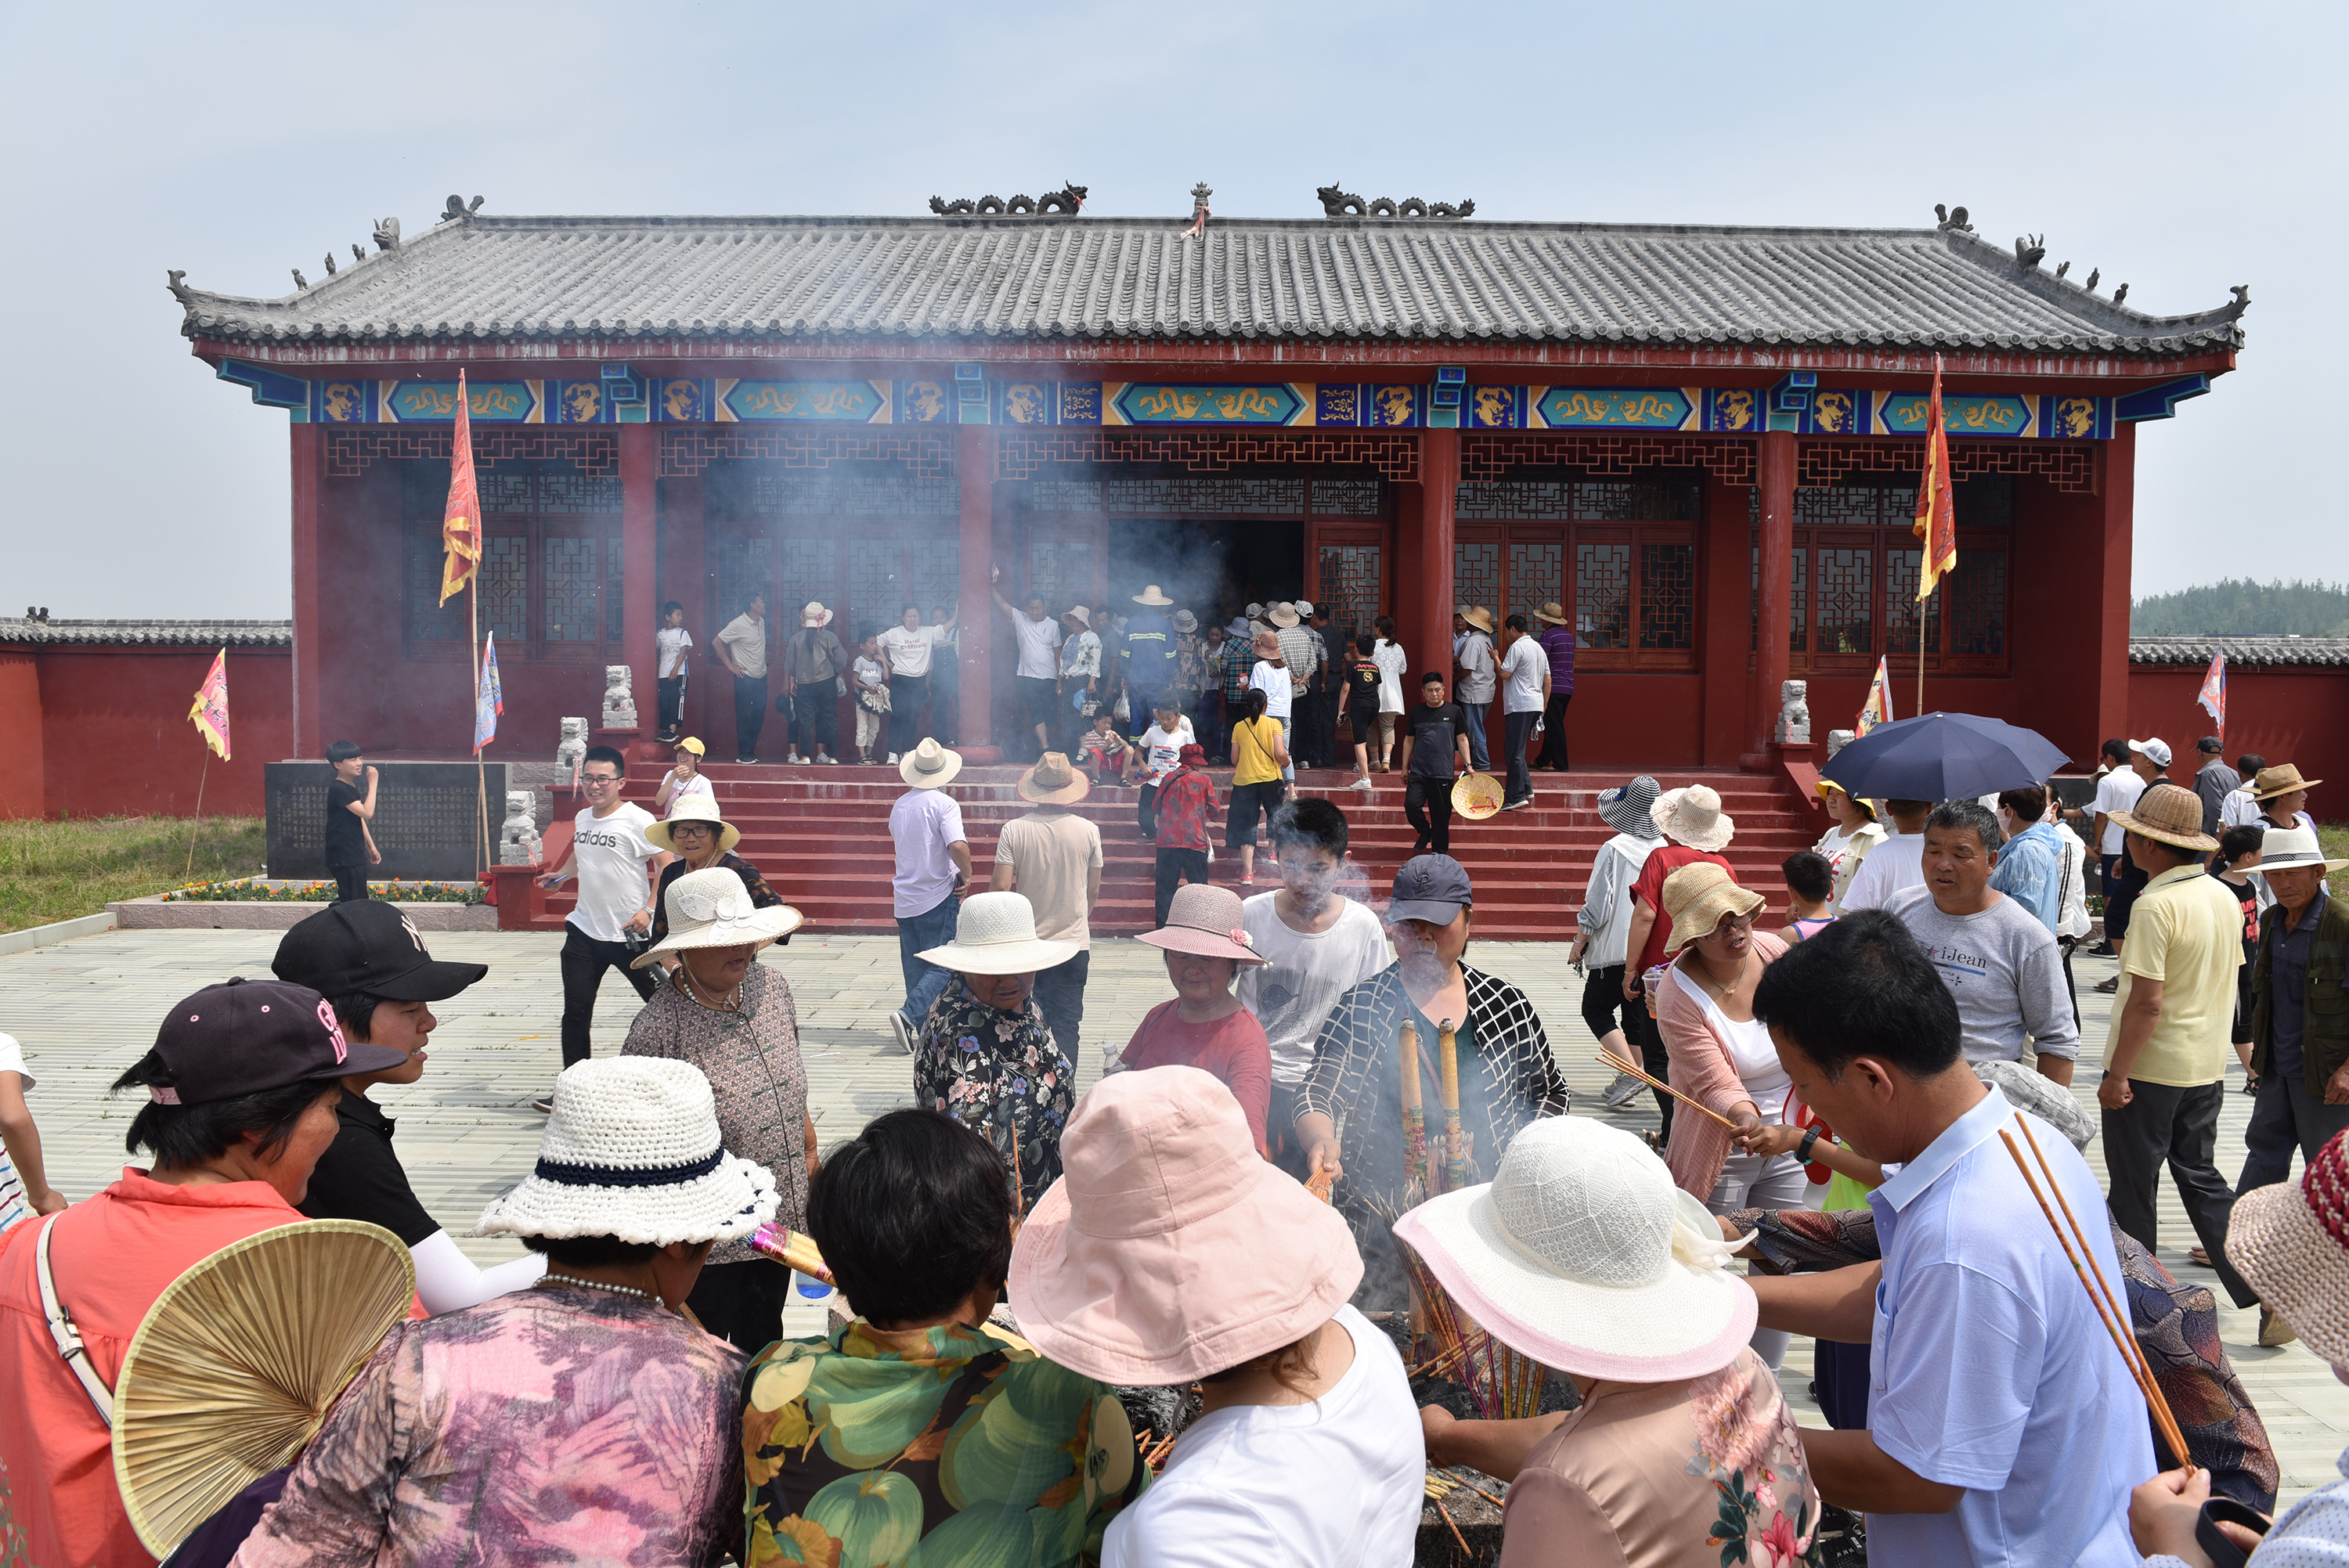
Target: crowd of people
1178, 1319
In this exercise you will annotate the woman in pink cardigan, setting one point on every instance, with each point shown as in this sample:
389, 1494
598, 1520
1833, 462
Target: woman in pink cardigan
1721, 1055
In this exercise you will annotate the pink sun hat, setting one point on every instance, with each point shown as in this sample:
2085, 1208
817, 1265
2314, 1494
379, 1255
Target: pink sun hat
1204, 920
1168, 1250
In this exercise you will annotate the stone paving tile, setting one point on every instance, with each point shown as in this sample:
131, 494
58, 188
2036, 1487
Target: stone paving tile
86, 1009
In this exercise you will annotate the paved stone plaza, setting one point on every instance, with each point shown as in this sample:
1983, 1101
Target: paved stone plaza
85, 1009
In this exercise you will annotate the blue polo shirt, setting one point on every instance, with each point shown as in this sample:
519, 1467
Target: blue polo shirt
1990, 1369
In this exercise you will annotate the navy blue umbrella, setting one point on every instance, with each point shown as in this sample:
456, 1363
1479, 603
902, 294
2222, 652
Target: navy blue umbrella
1943, 756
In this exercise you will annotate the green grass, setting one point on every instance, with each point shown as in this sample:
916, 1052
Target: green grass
53, 870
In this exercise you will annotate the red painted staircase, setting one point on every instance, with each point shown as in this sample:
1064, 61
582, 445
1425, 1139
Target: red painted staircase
821, 836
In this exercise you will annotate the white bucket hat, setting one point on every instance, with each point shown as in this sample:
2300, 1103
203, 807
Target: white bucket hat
1694, 817
711, 908
694, 808
632, 1150
1581, 1253
2291, 849
995, 934
929, 766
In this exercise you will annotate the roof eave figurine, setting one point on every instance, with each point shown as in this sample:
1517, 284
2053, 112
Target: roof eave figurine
1199, 214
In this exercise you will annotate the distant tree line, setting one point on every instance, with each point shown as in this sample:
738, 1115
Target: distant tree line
2239, 607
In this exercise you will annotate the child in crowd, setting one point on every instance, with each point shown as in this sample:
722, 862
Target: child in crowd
25, 1189
350, 846
1810, 893
1206, 1027
1155, 756
1185, 796
1361, 701
2239, 851
872, 693
672, 659
1101, 750
685, 779
1270, 676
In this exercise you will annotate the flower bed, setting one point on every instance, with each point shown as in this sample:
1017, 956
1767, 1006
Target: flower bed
323, 893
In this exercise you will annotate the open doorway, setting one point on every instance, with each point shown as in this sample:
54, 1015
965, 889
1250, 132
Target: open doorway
1211, 566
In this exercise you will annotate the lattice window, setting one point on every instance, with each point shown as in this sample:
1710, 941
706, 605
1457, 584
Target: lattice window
1845, 601
503, 582
526, 486
1976, 595
1349, 498
1986, 501
1536, 577
858, 491
1064, 495
875, 582
506, 493
571, 584
1596, 501
1667, 597
741, 564
1797, 574
1196, 493
1476, 572
614, 580
1901, 569
932, 566
811, 572
1351, 589
1531, 501
429, 621
1602, 596
1062, 569
1844, 505
576, 492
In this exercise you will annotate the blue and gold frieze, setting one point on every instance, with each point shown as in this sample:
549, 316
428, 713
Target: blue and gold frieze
1366, 406
1615, 408
834, 402
1184, 403
435, 402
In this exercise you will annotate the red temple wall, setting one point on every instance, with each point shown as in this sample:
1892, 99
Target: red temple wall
2299, 716
103, 731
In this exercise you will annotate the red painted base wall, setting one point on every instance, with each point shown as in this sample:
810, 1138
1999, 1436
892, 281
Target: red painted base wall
103, 731
2295, 716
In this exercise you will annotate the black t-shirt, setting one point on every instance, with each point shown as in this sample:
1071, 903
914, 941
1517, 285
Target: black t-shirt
1435, 737
1363, 685
360, 1177
346, 838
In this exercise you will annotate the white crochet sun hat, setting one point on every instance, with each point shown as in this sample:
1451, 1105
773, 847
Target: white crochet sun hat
711, 908
995, 934
632, 1150
1581, 1253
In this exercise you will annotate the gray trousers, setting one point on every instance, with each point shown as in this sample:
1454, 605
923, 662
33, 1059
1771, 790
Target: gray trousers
2285, 1117
2179, 1127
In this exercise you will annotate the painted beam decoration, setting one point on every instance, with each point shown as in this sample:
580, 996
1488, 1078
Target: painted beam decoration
626, 397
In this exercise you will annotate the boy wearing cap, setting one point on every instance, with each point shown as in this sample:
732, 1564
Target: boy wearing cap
2116, 792
349, 846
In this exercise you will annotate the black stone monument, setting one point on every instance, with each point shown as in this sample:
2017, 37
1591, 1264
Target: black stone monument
428, 820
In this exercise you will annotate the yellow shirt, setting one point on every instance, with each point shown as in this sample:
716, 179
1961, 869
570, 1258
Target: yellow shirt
2187, 931
1252, 744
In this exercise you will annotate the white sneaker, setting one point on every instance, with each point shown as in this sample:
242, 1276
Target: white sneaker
903, 1030
893, 759
829, 757
794, 760
1362, 784
1622, 1091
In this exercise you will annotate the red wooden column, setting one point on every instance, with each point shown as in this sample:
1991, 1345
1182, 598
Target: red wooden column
1424, 578
2117, 494
1774, 595
975, 615
639, 598
309, 739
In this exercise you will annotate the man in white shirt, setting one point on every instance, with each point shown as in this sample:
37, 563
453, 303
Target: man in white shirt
672, 660
1525, 675
933, 865
1602, 936
2241, 806
741, 648
618, 869
906, 648
1036, 676
1895, 864
2117, 792
1052, 858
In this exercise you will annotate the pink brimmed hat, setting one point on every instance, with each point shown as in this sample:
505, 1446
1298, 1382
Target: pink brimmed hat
1581, 1253
1206, 920
1168, 1250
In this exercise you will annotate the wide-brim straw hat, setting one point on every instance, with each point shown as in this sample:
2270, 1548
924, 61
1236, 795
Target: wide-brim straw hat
1053, 782
1168, 1250
2271, 782
1694, 817
1152, 597
814, 614
1697, 896
929, 765
711, 908
632, 1150
1282, 616
1204, 920
1479, 617
1582, 1254
694, 808
2291, 849
2291, 1242
1554, 612
1626, 807
2170, 814
1477, 796
995, 934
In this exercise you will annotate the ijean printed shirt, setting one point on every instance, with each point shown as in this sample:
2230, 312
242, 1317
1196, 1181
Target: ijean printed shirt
1001, 1074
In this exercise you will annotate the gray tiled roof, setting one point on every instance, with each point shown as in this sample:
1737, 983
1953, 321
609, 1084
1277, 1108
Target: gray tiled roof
1053, 277
2239, 650
20, 630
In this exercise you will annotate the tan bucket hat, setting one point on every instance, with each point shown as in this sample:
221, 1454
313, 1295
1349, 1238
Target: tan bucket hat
1052, 782
2273, 781
1282, 616
1694, 817
1553, 611
694, 808
2170, 814
1697, 895
1153, 598
2291, 1242
1479, 617
929, 766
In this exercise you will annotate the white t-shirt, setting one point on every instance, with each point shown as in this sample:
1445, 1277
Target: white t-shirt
1895, 864
686, 788
1333, 1484
1273, 681
1294, 990
2116, 792
13, 1207
908, 651
2237, 809
1391, 662
1039, 646
672, 642
1750, 1052
1164, 751
1523, 670
746, 640
870, 672
612, 853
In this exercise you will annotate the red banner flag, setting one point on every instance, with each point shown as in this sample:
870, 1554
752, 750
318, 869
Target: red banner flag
1937, 517
2213, 695
460, 524
210, 715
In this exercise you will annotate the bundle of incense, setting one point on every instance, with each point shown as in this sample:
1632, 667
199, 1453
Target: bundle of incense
1414, 1123
1320, 1184
1621, 1065
1455, 1158
2100, 1292
789, 1247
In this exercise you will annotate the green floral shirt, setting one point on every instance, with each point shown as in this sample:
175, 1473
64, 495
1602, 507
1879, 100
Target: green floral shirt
929, 1447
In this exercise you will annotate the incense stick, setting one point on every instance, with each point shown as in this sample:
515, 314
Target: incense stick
1620, 1065
1455, 1159
1414, 1123
1455, 1529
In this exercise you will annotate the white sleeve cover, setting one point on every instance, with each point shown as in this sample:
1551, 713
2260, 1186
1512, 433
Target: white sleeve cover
446, 1280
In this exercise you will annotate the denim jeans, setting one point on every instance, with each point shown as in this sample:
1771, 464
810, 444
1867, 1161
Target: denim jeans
1479, 749
1518, 730
917, 934
1061, 997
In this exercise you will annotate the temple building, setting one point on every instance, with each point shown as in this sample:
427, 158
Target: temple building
1703, 441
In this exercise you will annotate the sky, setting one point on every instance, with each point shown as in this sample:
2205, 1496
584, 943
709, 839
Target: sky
2178, 149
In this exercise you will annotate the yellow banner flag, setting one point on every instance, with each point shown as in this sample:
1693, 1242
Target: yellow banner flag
210, 715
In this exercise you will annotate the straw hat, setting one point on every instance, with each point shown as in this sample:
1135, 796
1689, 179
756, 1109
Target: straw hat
1694, 817
690, 744
1282, 616
1204, 920
1164, 1192
632, 1150
1479, 617
2273, 781
1626, 807
2170, 814
711, 908
1477, 796
234, 1367
2291, 849
1461, 611
694, 808
929, 766
1697, 896
812, 613
1152, 597
1052, 782
995, 934
1582, 1254
2292, 1244
1186, 622
1554, 612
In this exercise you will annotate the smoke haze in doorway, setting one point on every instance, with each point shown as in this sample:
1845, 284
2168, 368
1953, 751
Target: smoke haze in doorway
1208, 567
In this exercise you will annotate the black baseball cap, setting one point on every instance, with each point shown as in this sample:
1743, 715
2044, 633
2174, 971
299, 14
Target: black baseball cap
243, 1036
366, 944
2211, 744
1432, 888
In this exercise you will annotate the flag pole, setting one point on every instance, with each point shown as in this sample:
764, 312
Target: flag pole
1924, 619
481, 769
190, 871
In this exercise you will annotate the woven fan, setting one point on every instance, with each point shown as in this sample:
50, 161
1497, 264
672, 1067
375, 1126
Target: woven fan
1477, 796
238, 1361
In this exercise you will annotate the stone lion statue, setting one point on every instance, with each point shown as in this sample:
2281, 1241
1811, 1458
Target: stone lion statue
619, 697
572, 750
518, 840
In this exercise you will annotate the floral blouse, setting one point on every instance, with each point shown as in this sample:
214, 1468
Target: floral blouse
859, 1446
560, 1424
752, 1058
1001, 1074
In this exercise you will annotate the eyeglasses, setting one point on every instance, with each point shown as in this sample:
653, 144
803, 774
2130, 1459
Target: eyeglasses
595, 780
1732, 923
